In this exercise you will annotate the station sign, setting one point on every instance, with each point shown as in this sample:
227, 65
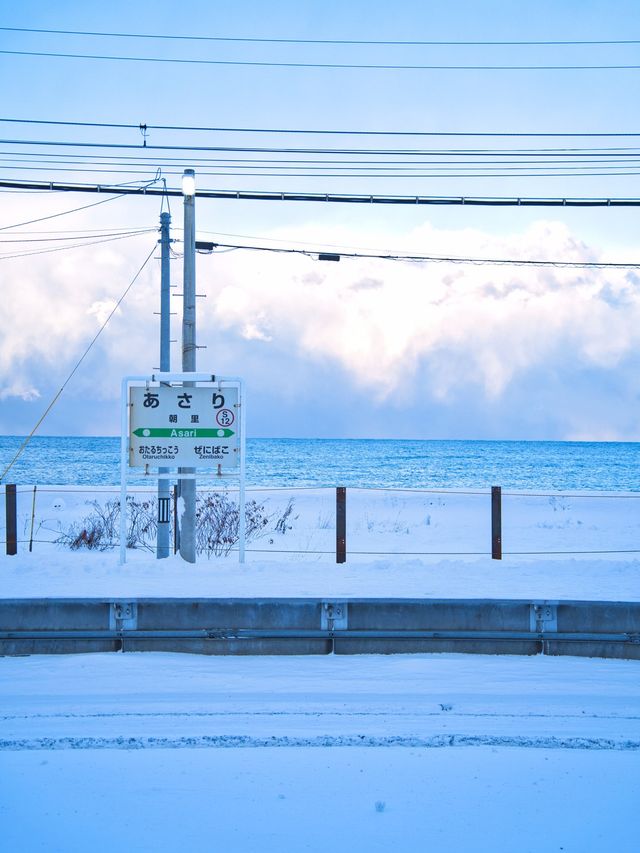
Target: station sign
190, 427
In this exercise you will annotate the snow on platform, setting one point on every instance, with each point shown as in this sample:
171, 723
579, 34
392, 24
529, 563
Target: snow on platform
62, 574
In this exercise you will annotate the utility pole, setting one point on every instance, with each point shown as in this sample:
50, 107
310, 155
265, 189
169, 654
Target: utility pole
163, 546
188, 487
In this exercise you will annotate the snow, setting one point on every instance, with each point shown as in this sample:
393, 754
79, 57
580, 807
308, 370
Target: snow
164, 752
399, 544
73, 575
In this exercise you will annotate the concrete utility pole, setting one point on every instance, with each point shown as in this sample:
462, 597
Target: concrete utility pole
163, 543
188, 487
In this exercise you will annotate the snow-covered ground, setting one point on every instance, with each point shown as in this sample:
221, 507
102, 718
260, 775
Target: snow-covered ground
80, 575
399, 544
162, 752
300, 523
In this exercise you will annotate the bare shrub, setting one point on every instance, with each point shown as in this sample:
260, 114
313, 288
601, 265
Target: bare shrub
218, 523
282, 524
100, 530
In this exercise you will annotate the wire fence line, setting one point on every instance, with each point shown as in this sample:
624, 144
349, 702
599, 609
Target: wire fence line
480, 492
306, 520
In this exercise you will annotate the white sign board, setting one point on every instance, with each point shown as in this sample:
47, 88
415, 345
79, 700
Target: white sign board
190, 427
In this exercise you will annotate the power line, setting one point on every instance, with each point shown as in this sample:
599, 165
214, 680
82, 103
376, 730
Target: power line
338, 198
435, 258
74, 246
316, 131
77, 236
116, 192
325, 65
253, 40
464, 171
75, 368
432, 161
358, 251
618, 151
62, 213
88, 232
59, 159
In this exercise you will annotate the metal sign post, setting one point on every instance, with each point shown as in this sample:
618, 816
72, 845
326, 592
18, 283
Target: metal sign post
168, 425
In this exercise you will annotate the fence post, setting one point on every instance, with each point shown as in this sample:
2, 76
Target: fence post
496, 523
341, 524
12, 519
33, 515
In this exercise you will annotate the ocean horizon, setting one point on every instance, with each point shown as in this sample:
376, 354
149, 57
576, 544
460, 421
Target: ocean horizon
357, 462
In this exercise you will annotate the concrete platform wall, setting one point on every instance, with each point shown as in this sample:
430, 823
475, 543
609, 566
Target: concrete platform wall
316, 626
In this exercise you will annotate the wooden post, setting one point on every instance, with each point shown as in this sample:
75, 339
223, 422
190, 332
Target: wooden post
33, 515
496, 523
341, 524
12, 519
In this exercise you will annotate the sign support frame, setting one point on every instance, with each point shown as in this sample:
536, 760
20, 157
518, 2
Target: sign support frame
168, 378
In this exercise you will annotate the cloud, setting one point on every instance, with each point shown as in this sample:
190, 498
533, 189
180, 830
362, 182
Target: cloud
18, 390
478, 324
407, 335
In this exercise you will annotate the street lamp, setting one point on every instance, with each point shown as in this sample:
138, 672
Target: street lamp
189, 182
188, 487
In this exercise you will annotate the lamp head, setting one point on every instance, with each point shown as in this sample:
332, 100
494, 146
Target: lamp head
189, 182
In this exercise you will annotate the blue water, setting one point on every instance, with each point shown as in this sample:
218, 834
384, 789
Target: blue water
370, 463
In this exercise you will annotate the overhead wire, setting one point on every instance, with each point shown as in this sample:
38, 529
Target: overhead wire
339, 198
74, 236
264, 40
316, 131
464, 171
74, 246
115, 191
416, 258
609, 151
56, 215
60, 159
166, 60
313, 244
75, 367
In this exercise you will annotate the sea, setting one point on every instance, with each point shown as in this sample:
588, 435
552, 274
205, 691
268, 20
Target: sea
364, 463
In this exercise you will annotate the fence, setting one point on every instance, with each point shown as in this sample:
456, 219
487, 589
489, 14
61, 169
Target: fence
340, 524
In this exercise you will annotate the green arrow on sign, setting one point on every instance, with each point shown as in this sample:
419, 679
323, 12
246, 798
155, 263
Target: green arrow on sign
147, 432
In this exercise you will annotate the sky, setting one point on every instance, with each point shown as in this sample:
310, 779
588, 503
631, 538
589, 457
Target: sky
360, 348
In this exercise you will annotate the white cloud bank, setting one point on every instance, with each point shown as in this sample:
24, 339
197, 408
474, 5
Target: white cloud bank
468, 323
402, 331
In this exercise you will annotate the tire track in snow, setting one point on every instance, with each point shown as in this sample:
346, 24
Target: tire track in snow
401, 714
247, 741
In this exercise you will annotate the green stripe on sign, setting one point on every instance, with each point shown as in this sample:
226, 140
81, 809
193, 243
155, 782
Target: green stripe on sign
148, 432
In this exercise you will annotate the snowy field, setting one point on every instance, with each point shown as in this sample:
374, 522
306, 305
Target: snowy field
399, 544
300, 523
162, 752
